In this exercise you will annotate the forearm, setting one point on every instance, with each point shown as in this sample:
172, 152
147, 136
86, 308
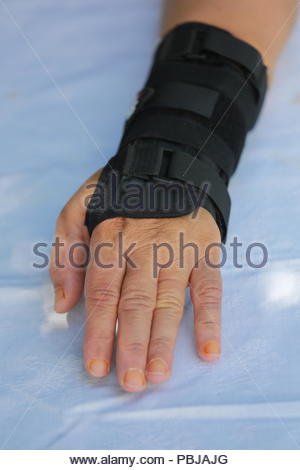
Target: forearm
261, 23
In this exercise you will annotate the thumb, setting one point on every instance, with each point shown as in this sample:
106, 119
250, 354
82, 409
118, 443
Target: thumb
70, 250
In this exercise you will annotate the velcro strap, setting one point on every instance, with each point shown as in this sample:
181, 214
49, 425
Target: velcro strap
187, 168
186, 43
153, 159
182, 131
195, 39
197, 99
227, 82
143, 159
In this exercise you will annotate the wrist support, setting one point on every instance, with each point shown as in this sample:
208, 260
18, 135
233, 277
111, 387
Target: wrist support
185, 136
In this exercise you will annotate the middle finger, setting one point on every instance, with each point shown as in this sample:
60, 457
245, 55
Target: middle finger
137, 302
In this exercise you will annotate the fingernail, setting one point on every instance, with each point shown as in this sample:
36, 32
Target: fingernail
59, 295
158, 367
98, 367
211, 350
134, 379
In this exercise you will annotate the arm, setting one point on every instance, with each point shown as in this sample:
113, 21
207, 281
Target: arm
146, 293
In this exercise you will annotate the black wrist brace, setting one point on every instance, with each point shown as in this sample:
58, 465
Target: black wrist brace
185, 136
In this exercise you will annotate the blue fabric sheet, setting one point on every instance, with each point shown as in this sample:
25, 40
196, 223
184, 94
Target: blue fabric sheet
69, 73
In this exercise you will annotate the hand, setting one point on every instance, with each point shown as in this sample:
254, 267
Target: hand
145, 294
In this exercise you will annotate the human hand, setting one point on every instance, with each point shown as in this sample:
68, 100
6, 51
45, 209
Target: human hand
144, 293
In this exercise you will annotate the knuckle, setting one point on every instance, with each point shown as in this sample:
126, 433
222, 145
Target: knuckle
105, 295
213, 324
211, 301
101, 335
210, 291
169, 317
169, 303
212, 298
112, 225
135, 299
160, 344
136, 348
132, 316
208, 323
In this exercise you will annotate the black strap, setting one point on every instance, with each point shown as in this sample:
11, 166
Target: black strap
186, 132
192, 40
152, 159
183, 96
216, 77
199, 173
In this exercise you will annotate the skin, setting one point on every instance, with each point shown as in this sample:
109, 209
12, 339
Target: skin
149, 308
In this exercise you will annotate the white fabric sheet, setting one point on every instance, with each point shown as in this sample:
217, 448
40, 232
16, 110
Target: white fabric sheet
69, 73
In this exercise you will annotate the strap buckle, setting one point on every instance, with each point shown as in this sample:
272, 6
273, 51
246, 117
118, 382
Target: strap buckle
195, 48
147, 159
186, 44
